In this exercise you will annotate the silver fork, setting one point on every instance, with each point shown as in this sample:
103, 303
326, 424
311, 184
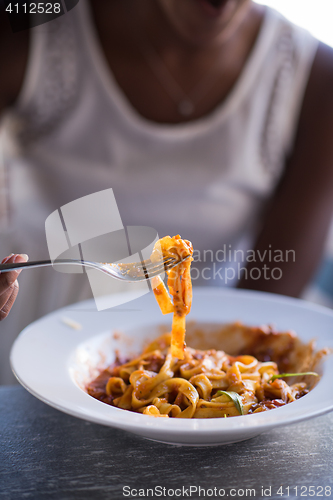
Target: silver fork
135, 271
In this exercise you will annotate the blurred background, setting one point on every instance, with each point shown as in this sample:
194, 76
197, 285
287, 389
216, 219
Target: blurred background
305, 13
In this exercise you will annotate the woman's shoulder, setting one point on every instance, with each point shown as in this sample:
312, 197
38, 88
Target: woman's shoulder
322, 69
318, 100
284, 28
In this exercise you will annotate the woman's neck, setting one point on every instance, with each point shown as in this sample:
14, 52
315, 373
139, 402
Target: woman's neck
148, 57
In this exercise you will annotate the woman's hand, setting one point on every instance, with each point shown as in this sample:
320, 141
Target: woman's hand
9, 286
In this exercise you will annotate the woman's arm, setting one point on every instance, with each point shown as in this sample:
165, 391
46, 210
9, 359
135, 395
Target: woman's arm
13, 60
9, 286
299, 217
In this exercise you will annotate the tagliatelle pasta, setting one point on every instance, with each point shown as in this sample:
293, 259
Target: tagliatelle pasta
170, 381
205, 384
180, 287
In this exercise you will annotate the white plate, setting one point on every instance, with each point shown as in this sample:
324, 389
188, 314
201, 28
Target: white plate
53, 361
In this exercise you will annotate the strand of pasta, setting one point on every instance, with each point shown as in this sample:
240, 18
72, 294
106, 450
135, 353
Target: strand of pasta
180, 288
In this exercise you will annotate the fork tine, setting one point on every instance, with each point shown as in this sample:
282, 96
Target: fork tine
171, 265
148, 264
146, 269
155, 268
167, 265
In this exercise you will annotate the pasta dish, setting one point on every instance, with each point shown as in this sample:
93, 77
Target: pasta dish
171, 380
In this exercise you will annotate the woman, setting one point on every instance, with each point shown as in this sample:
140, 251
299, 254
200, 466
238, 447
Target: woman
210, 118
9, 285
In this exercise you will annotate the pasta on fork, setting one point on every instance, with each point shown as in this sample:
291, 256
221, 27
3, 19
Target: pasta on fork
180, 287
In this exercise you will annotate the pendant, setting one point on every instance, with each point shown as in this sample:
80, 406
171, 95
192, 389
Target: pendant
186, 107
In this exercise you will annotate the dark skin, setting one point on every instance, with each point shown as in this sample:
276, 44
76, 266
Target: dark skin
299, 215
9, 286
192, 43
187, 60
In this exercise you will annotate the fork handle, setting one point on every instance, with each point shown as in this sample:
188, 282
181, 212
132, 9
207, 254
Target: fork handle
37, 263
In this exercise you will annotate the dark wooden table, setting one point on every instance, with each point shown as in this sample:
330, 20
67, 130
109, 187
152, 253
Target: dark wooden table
45, 454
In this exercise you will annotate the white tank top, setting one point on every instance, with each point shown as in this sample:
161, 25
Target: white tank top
73, 132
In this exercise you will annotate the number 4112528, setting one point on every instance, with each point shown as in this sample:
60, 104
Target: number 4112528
305, 491
34, 8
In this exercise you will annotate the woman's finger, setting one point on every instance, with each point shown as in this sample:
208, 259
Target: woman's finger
7, 299
7, 279
8, 285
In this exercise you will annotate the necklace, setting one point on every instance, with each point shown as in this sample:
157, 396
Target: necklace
186, 102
